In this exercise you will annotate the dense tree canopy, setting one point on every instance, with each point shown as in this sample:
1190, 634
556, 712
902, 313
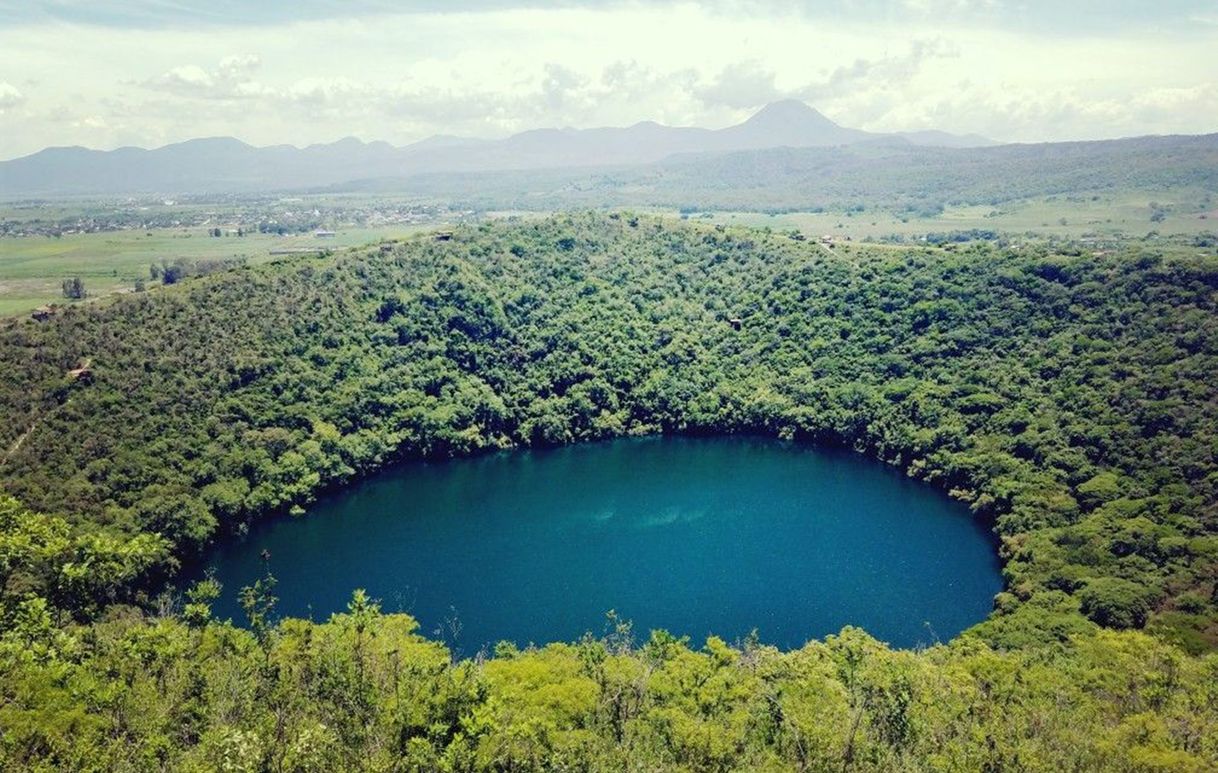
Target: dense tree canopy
1067, 398
364, 692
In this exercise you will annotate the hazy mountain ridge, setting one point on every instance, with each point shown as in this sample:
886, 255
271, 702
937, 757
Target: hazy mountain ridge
882, 172
224, 164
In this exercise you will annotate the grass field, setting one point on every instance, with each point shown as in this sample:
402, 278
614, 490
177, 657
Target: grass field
1069, 217
32, 268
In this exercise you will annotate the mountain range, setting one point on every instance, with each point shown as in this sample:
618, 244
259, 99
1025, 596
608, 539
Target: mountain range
225, 164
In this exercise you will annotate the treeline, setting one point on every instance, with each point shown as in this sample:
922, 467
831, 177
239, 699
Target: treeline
364, 692
171, 272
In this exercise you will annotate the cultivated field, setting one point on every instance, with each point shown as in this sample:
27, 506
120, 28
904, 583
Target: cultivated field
32, 268
1122, 214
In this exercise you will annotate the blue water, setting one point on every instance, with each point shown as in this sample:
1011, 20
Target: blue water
694, 535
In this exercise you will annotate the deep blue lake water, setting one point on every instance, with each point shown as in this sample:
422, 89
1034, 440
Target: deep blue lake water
694, 535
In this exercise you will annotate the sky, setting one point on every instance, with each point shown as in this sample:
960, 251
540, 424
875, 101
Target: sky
105, 74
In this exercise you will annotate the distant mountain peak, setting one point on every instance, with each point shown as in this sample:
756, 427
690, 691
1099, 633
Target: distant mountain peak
791, 123
211, 142
788, 112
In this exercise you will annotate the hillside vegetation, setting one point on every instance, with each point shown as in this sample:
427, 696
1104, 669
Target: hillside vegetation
365, 692
1068, 399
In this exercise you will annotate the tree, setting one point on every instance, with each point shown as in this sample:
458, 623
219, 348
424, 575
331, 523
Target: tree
1101, 488
258, 602
170, 274
74, 289
1116, 603
199, 597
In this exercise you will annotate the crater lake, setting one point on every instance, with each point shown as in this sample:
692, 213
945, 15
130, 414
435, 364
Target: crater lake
697, 536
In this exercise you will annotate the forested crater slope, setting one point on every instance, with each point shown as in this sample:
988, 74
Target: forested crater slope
1069, 399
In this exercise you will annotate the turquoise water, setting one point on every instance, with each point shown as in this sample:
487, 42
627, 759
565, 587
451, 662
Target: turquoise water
694, 535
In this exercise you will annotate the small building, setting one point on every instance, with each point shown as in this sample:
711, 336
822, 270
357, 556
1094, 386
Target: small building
323, 234
444, 236
736, 323
43, 313
386, 249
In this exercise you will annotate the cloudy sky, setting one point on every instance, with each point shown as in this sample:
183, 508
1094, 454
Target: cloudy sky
103, 73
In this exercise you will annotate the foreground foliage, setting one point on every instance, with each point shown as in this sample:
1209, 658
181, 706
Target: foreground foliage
364, 692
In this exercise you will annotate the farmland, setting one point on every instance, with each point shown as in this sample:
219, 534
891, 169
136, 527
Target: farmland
110, 250
110, 244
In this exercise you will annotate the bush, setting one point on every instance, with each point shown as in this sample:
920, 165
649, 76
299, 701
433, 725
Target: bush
1116, 603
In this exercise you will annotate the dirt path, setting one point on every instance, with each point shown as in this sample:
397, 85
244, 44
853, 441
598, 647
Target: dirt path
75, 373
16, 446
853, 261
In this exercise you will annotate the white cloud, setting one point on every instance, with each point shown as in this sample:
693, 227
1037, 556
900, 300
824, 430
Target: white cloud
240, 63
189, 77
231, 79
742, 85
10, 96
322, 92
748, 85
93, 122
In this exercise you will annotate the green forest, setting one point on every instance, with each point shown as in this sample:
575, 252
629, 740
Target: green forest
1068, 398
